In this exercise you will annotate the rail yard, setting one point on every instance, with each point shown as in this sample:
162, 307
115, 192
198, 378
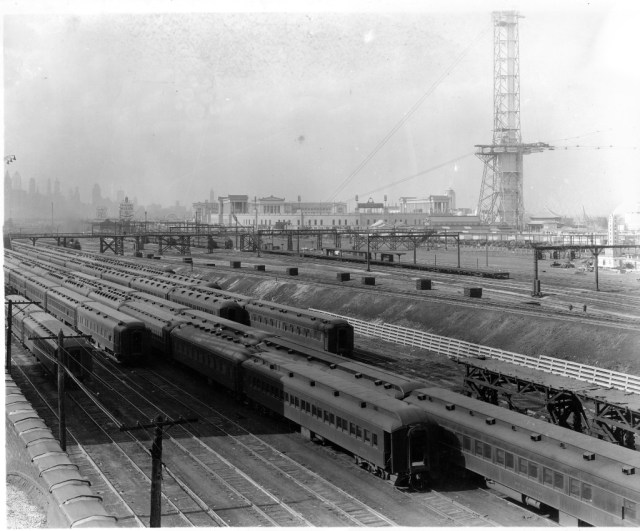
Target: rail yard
274, 439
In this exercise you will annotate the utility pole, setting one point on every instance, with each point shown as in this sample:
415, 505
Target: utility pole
158, 424
62, 418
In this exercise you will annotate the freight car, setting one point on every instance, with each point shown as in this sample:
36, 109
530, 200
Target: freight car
587, 480
40, 328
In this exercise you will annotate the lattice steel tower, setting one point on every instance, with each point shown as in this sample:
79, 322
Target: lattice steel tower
501, 194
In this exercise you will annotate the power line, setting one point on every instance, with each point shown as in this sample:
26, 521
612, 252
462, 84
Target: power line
423, 172
406, 116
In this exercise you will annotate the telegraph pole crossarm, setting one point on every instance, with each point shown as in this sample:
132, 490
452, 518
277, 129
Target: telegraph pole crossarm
158, 425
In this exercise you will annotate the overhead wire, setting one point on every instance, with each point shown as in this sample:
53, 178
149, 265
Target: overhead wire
406, 116
423, 172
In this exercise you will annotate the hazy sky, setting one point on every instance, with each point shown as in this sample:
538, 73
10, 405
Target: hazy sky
292, 99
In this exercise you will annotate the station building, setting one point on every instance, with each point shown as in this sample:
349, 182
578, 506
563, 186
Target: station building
434, 211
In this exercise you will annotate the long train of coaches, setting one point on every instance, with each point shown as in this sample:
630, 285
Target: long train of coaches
330, 334
400, 430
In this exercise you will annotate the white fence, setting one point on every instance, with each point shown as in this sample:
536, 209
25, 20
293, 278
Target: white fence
457, 349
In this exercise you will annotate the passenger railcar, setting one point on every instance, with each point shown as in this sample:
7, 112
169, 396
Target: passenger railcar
173, 307
19, 311
209, 301
386, 382
330, 334
120, 335
388, 437
213, 356
159, 323
36, 289
39, 328
247, 335
63, 303
587, 480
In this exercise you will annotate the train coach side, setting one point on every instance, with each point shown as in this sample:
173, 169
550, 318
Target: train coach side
388, 437
332, 335
40, 328
213, 356
587, 480
63, 303
159, 323
209, 301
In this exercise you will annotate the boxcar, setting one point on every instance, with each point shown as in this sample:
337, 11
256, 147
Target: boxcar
587, 480
120, 335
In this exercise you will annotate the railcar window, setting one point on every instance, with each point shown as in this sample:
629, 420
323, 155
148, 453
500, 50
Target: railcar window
478, 448
308, 407
509, 460
358, 432
522, 466
500, 456
297, 402
466, 443
533, 470
367, 437
339, 423
352, 429
374, 439
326, 416
547, 476
331, 419
487, 451
313, 411
587, 492
574, 487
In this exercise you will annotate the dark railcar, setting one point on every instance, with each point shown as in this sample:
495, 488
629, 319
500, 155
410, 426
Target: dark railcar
211, 302
120, 335
213, 356
39, 327
311, 328
63, 303
587, 480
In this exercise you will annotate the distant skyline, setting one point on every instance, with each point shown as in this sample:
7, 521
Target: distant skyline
293, 98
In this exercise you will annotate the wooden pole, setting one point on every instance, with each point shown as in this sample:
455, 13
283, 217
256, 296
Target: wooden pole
7, 363
62, 425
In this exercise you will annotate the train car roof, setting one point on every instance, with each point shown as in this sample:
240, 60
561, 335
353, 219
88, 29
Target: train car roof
379, 408
172, 306
153, 312
186, 293
98, 308
199, 315
555, 442
67, 293
210, 341
295, 313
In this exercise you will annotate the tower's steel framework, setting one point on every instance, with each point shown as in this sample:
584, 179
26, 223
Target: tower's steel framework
501, 194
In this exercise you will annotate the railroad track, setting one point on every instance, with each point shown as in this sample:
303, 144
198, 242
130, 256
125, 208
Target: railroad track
42, 397
196, 442
335, 498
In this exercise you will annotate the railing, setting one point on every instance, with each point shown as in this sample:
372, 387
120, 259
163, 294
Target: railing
456, 349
